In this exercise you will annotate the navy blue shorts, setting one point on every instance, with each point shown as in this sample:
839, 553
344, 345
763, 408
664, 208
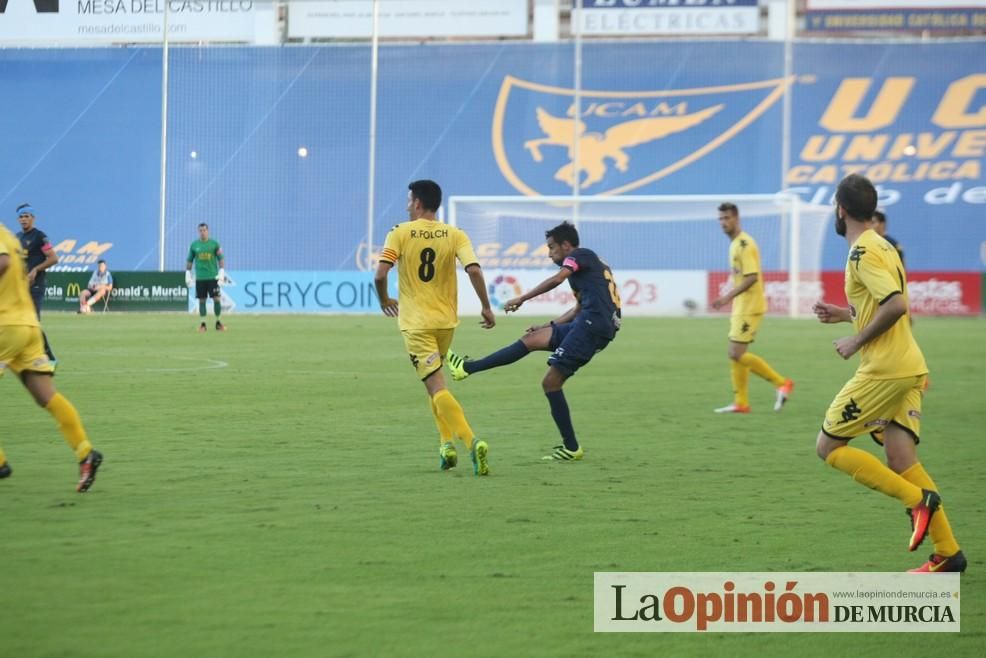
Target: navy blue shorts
573, 345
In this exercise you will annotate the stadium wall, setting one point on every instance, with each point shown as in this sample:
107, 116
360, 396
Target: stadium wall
84, 136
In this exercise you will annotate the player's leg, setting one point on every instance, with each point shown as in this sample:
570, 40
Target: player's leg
900, 439
217, 303
861, 405
38, 297
758, 365
573, 346
37, 376
83, 299
423, 347
7, 352
451, 413
534, 339
740, 376
448, 457
201, 294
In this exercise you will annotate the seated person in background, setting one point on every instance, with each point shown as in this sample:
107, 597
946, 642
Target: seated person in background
100, 285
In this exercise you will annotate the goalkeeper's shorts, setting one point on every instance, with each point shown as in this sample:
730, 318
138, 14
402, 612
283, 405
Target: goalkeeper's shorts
207, 288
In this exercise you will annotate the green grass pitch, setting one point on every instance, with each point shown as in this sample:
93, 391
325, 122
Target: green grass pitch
274, 491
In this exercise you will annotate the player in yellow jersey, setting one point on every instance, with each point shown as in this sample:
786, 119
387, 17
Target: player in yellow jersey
749, 305
883, 398
425, 252
22, 352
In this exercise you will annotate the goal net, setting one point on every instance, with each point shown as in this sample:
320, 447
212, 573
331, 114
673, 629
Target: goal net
659, 234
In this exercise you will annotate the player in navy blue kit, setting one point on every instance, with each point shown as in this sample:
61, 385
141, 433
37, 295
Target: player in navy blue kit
573, 339
39, 255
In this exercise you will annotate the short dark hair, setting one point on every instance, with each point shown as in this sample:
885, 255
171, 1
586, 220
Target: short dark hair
880, 216
100, 262
564, 232
201, 224
730, 207
857, 196
427, 192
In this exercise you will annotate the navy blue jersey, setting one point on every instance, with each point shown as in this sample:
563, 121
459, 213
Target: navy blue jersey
594, 287
36, 247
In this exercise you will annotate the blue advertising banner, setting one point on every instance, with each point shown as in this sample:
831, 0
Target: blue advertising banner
269, 145
303, 292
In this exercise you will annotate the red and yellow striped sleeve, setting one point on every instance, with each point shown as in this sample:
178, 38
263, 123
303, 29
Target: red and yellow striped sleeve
392, 247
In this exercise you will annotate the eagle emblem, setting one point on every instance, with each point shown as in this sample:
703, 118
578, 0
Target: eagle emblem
594, 148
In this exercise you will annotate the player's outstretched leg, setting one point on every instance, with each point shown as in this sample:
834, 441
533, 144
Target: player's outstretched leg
462, 368
535, 339
5, 469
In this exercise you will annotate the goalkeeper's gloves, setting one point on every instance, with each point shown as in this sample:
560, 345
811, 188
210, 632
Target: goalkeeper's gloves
189, 279
222, 276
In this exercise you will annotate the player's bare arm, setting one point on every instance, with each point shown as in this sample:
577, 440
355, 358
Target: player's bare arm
746, 284
890, 311
547, 285
475, 273
830, 313
387, 305
4, 263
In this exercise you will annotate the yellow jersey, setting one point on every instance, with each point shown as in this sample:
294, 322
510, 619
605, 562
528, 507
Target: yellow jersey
744, 258
425, 252
16, 307
874, 274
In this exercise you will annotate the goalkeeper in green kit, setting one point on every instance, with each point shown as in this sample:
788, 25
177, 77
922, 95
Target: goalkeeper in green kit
207, 256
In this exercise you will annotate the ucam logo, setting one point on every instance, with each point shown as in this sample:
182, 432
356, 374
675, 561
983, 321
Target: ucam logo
623, 140
75, 256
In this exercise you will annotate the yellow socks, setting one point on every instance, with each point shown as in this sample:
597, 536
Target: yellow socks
3, 457
444, 431
450, 412
70, 425
870, 471
741, 379
940, 530
761, 368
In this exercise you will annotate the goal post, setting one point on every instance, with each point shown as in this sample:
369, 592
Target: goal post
659, 233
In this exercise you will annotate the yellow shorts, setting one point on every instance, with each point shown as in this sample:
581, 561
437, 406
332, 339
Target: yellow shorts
869, 405
427, 348
743, 328
22, 348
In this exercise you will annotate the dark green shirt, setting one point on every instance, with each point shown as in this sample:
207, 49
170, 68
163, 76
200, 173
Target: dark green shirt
206, 256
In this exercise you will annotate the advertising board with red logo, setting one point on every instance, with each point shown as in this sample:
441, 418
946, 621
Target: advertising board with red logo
930, 293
